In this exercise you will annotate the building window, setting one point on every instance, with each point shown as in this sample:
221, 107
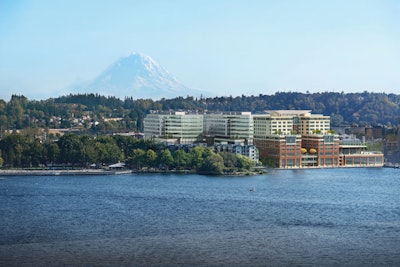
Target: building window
328, 139
291, 139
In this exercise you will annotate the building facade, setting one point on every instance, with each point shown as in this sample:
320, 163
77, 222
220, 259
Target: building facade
180, 127
249, 151
325, 148
281, 138
230, 127
352, 153
281, 151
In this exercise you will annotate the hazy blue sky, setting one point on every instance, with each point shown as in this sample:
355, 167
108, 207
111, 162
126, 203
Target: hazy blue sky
226, 47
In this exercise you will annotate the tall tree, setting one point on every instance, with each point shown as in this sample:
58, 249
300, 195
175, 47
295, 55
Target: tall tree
165, 158
151, 158
71, 149
137, 159
196, 156
51, 152
180, 159
212, 164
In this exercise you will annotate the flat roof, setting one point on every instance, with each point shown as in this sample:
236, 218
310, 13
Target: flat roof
290, 112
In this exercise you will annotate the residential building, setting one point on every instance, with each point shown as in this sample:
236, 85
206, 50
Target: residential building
249, 151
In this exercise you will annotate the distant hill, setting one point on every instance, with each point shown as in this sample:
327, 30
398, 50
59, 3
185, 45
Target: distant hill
354, 108
137, 76
67, 111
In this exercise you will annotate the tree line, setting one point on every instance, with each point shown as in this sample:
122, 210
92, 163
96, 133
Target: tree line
63, 112
83, 151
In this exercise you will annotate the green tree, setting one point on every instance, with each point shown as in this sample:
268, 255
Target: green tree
89, 150
126, 144
244, 163
12, 147
36, 152
51, 152
196, 156
212, 164
137, 159
151, 158
165, 158
230, 160
19, 150
3, 123
107, 150
15, 111
114, 153
180, 159
71, 149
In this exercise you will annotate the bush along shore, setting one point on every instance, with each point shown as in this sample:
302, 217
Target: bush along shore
84, 154
80, 172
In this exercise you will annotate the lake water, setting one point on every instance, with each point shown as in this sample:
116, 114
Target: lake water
313, 217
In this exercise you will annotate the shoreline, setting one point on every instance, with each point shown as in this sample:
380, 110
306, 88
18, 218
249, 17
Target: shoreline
62, 172
101, 172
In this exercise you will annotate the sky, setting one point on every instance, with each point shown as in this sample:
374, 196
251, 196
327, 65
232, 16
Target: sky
226, 47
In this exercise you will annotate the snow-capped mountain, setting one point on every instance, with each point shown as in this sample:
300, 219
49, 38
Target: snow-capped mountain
137, 76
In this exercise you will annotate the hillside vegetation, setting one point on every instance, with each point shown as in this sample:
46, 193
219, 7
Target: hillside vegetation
92, 111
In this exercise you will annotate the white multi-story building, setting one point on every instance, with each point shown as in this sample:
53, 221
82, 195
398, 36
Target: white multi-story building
314, 123
283, 138
286, 122
153, 124
230, 127
181, 127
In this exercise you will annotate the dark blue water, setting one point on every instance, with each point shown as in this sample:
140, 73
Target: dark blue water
319, 217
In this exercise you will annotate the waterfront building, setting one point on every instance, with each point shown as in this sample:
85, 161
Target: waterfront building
320, 150
280, 138
286, 122
153, 124
176, 127
281, 151
353, 153
230, 127
278, 134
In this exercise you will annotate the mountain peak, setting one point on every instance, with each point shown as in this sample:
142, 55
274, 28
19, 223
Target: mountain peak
139, 76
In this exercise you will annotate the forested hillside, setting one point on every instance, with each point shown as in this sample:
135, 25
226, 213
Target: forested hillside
92, 111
